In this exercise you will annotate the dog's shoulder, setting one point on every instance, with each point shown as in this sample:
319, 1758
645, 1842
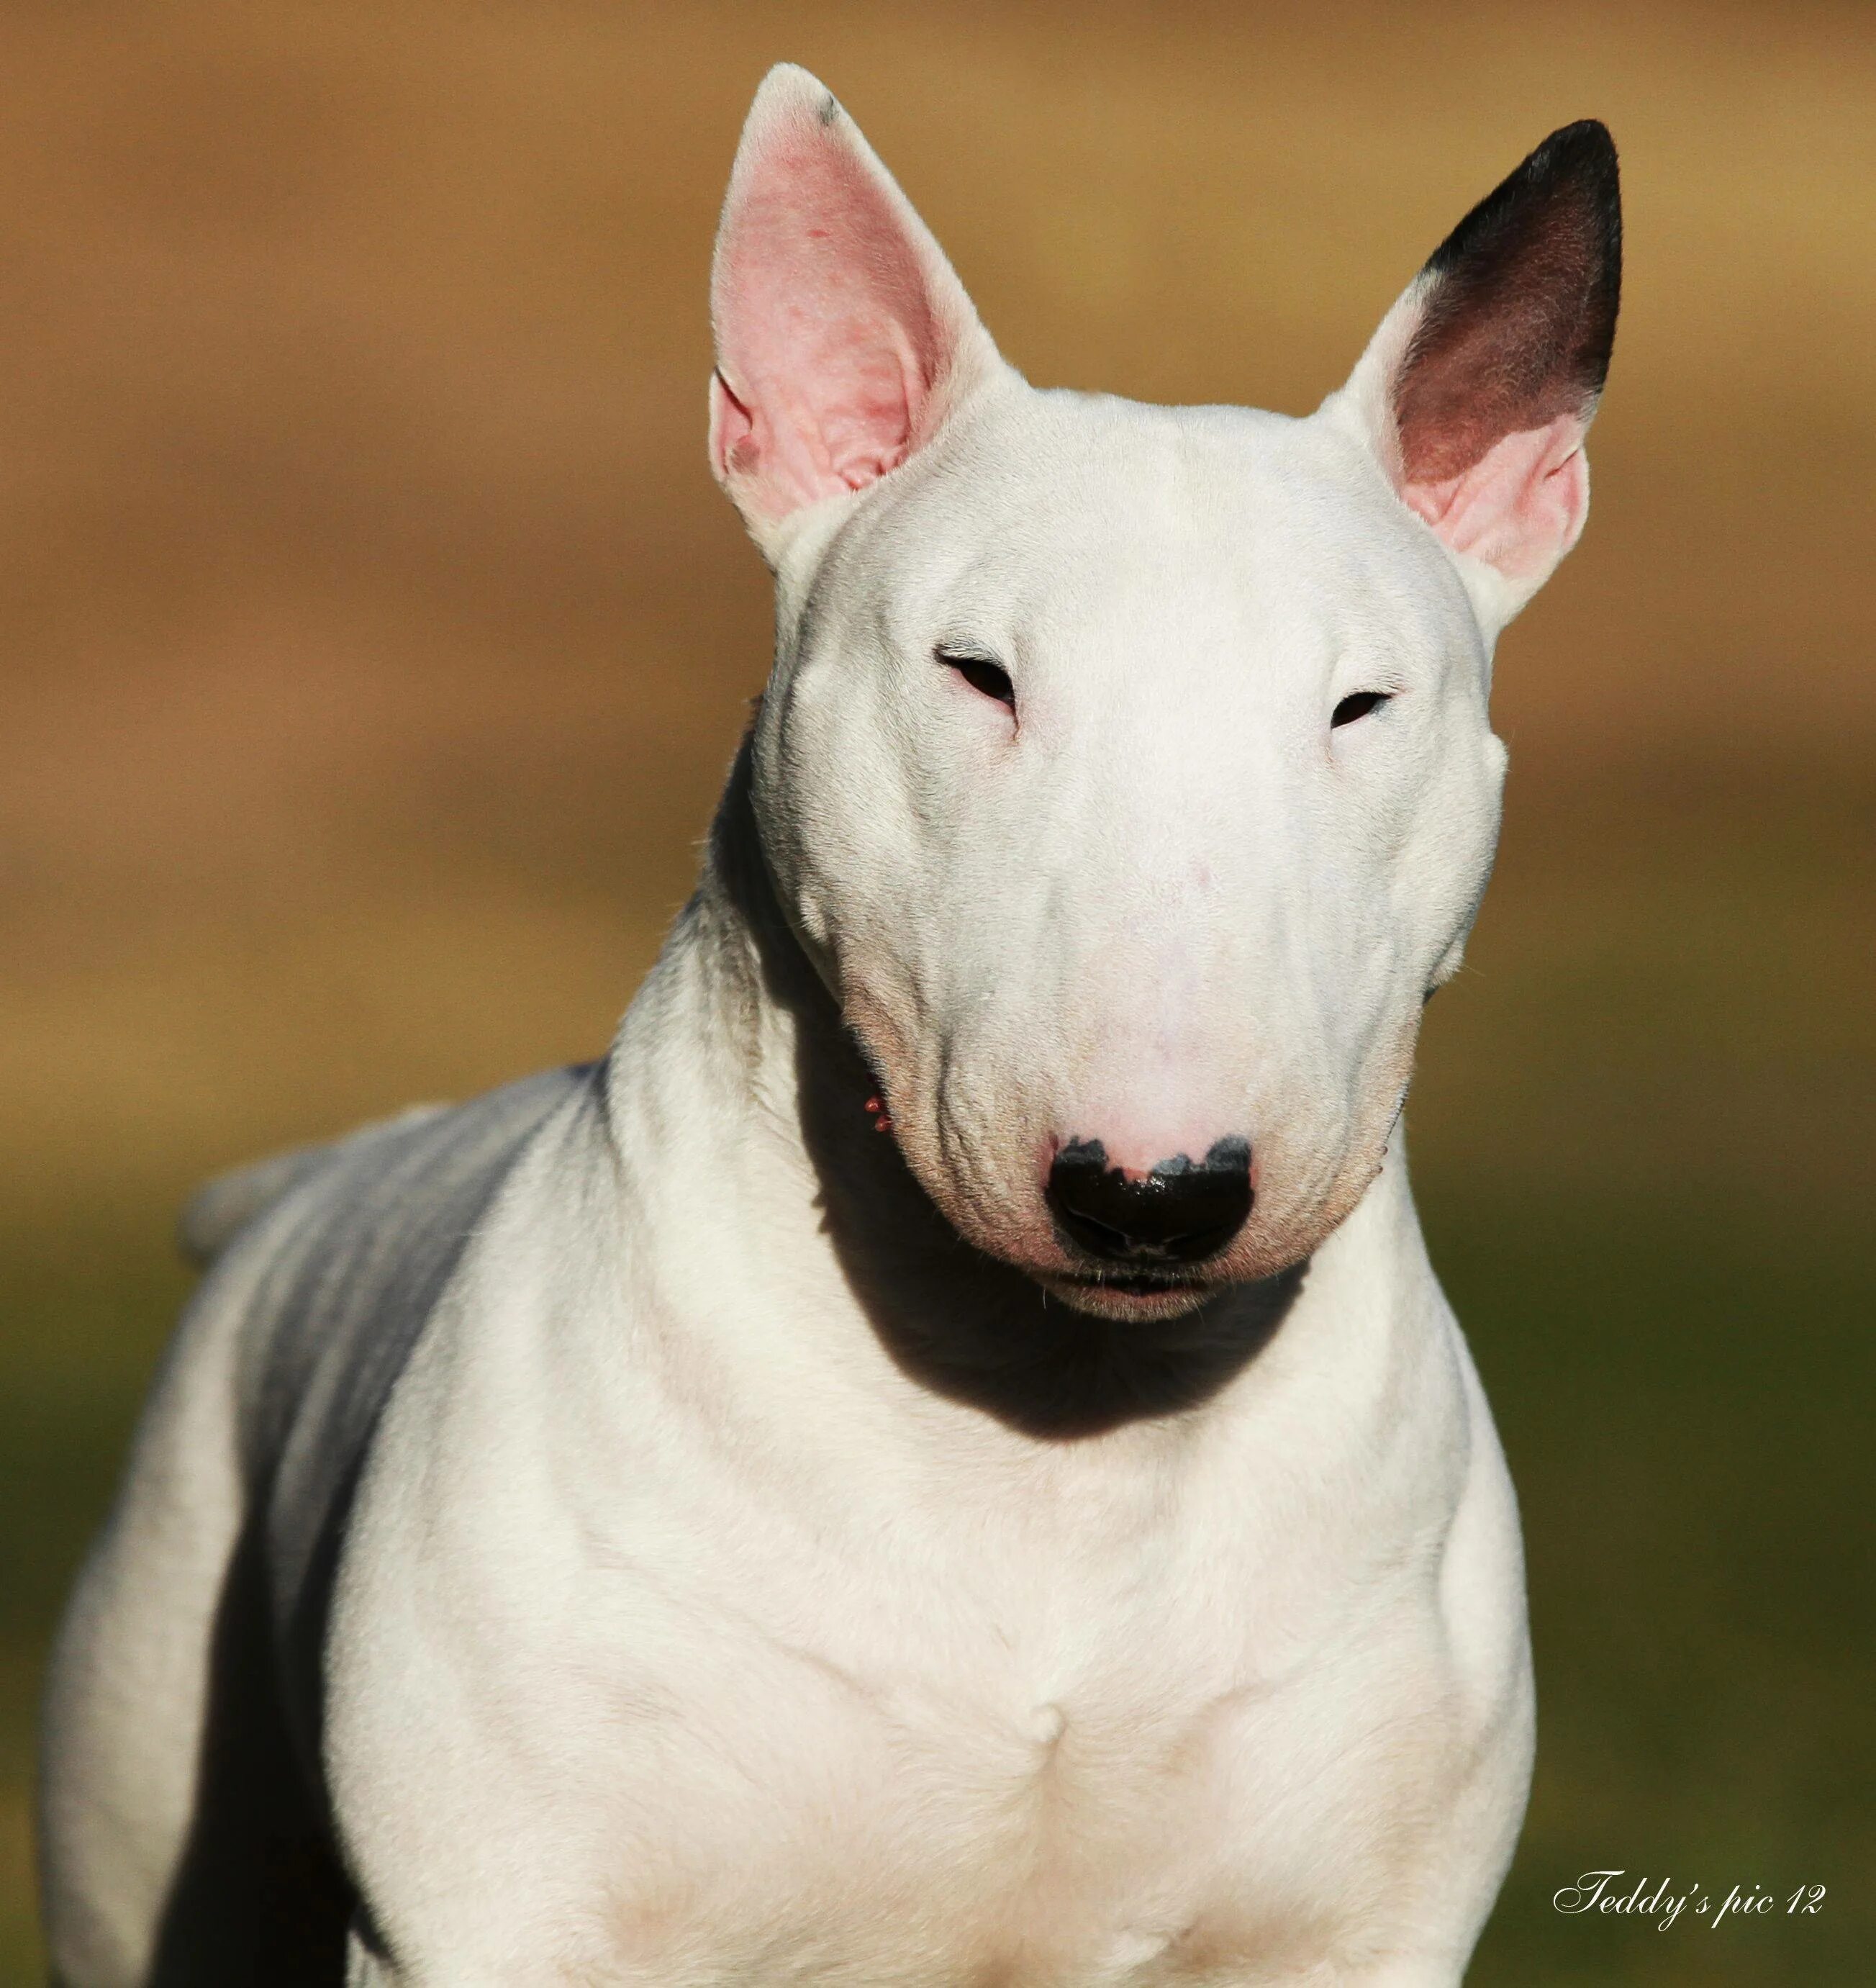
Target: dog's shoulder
325, 1266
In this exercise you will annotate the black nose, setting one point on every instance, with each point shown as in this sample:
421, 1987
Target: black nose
1183, 1212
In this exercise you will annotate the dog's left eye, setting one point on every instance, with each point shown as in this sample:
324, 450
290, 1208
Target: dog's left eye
1357, 704
989, 678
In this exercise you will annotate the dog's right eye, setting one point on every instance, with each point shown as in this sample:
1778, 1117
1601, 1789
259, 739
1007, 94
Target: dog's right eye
990, 679
1357, 705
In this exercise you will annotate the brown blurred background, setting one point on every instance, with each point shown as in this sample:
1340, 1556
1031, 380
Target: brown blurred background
373, 640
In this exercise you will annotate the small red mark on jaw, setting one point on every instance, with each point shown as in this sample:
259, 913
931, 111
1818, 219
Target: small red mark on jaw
882, 1119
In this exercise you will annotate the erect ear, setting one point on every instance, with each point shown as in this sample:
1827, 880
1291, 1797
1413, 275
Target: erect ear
842, 337
1477, 389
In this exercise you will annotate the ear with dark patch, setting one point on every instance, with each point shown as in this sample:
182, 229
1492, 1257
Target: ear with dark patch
844, 337
1480, 386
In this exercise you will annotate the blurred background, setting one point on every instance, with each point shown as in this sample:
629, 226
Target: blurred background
373, 641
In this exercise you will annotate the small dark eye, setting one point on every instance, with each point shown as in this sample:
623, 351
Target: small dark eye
992, 679
1358, 705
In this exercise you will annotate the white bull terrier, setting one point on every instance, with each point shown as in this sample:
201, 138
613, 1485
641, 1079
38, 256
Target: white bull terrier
942, 1461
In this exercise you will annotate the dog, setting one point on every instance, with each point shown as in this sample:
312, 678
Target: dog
942, 1460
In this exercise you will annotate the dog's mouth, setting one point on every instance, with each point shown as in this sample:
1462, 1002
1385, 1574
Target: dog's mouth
1135, 1293
1134, 1283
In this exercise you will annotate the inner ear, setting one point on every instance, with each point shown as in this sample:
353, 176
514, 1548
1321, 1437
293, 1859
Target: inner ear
844, 337
1518, 312
827, 321
1476, 393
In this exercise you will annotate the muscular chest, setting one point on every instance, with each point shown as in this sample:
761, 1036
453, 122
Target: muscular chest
1124, 1717
1124, 1779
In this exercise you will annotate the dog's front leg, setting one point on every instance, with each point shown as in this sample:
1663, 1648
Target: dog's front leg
365, 1967
1446, 1970
367, 1964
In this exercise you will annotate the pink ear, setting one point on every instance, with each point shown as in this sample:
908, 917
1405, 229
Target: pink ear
841, 335
1520, 507
1480, 387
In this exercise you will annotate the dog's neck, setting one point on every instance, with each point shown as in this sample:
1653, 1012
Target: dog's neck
772, 1045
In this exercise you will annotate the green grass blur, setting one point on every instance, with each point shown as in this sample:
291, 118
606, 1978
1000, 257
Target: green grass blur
374, 642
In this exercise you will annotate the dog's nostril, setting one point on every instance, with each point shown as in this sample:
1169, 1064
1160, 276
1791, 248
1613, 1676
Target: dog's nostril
1183, 1212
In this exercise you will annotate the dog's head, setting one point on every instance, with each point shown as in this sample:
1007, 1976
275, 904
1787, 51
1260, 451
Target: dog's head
1126, 770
